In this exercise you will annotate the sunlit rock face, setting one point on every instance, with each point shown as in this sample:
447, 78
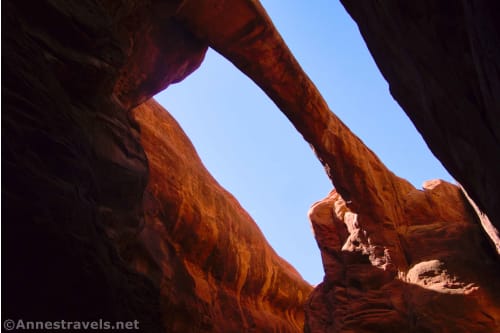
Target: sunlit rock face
396, 259
441, 60
449, 283
214, 268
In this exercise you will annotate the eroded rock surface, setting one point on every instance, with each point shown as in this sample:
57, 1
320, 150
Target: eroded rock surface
214, 268
78, 244
441, 60
450, 282
74, 171
393, 254
89, 235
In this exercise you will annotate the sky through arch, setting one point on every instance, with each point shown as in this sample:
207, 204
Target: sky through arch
255, 153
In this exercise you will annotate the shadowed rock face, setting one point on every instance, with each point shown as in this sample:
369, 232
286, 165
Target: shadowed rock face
442, 63
214, 268
74, 171
88, 234
95, 231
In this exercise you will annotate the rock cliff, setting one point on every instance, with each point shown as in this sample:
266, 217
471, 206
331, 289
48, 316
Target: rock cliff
392, 254
84, 238
449, 281
441, 60
74, 171
108, 212
214, 268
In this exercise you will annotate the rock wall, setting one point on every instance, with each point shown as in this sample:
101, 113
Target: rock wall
214, 268
74, 172
393, 255
75, 183
441, 60
450, 283
94, 230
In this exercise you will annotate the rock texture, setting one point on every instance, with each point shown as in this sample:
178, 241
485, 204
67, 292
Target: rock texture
393, 255
74, 172
93, 230
214, 268
442, 62
450, 282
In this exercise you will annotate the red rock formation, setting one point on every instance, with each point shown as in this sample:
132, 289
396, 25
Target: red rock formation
450, 284
254, 45
215, 270
389, 239
73, 171
441, 60
75, 175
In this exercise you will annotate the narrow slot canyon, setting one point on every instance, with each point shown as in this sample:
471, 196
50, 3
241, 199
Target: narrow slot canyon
110, 214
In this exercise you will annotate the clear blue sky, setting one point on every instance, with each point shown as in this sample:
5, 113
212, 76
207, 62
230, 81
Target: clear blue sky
255, 153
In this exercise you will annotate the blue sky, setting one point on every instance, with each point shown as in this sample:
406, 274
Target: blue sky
255, 153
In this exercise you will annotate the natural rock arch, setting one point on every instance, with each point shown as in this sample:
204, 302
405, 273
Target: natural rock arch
76, 174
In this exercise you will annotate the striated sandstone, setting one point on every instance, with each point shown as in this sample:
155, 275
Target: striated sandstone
450, 282
253, 44
214, 268
391, 251
107, 241
103, 239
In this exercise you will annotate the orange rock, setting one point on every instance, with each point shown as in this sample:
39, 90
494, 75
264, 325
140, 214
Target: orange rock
449, 282
211, 261
79, 217
381, 239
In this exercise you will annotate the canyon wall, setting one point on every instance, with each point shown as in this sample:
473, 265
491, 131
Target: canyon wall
81, 239
442, 63
108, 212
449, 282
215, 270
396, 259
73, 172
